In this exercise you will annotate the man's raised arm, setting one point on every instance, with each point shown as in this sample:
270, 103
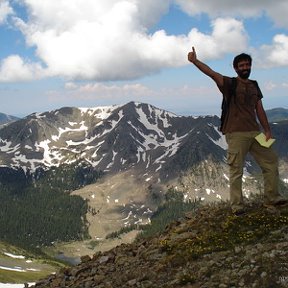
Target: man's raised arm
217, 77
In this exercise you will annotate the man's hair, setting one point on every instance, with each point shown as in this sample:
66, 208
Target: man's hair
241, 57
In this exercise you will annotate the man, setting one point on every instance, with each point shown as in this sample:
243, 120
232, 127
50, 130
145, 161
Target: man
240, 128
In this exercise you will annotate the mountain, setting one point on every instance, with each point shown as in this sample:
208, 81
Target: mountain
112, 139
5, 119
154, 144
208, 247
277, 114
141, 150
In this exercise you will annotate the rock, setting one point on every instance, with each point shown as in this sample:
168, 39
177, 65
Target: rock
170, 260
85, 259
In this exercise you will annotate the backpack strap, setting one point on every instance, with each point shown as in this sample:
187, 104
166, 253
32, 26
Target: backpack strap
226, 102
232, 96
233, 88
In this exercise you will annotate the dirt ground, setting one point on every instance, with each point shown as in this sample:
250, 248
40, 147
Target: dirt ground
112, 205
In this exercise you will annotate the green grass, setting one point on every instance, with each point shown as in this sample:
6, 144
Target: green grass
46, 266
22, 277
215, 228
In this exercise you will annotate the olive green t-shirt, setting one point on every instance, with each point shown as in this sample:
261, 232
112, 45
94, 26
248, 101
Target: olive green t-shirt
242, 115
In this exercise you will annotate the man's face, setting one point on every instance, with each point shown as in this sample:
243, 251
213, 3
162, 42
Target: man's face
243, 69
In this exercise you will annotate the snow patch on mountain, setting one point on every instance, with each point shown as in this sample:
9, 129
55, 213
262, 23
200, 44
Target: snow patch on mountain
102, 112
112, 139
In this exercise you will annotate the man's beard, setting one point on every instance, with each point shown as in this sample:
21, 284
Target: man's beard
244, 74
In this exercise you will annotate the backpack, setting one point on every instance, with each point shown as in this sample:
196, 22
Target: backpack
226, 102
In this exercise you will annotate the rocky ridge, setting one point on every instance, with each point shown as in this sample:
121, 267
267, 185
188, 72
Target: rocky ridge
209, 247
112, 139
156, 144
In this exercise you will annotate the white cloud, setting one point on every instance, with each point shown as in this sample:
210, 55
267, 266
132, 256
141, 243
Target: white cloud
179, 99
13, 67
134, 91
5, 10
270, 55
216, 8
103, 40
275, 54
100, 90
228, 35
276, 9
109, 39
278, 12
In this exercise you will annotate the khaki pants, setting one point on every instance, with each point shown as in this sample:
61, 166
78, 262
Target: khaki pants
239, 145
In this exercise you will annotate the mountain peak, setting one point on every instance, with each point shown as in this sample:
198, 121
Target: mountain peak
153, 143
111, 138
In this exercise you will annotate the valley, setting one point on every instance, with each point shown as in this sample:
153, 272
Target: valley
20, 266
114, 202
97, 174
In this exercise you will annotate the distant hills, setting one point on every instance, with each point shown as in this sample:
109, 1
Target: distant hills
4, 119
277, 114
153, 142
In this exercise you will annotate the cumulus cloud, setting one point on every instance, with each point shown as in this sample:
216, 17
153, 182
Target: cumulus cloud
102, 40
111, 40
275, 54
5, 11
222, 7
13, 67
276, 10
228, 35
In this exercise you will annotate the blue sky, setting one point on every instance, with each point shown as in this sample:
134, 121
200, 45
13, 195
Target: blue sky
87, 53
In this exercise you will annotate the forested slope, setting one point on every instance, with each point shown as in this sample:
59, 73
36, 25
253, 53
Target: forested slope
38, 209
